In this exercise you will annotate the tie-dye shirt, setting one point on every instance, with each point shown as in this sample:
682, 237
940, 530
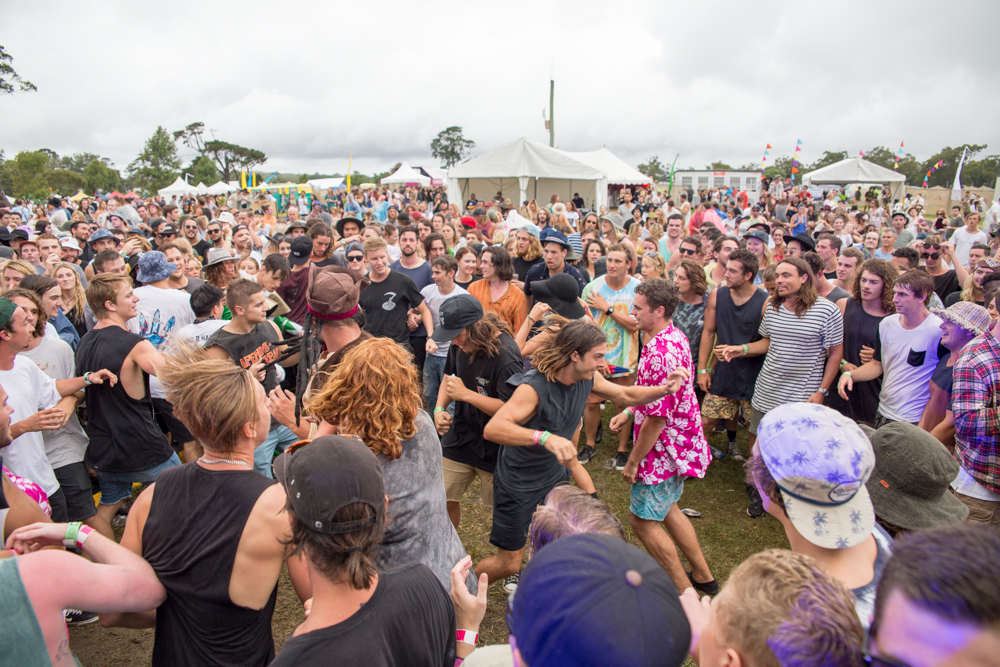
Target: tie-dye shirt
681, 448
623, 345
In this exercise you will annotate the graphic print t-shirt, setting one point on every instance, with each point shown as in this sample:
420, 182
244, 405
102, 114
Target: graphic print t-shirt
385, 305
161, 313
623, 345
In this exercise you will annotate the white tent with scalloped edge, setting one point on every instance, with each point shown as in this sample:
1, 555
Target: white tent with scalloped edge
406, 175
856, 170
178, 188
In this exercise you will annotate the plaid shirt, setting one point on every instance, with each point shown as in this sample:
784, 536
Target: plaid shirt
975, 401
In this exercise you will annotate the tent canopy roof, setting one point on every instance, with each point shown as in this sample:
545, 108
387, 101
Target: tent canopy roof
618, 171
407, 174
324, 183
178, 187
525, 157
853, 170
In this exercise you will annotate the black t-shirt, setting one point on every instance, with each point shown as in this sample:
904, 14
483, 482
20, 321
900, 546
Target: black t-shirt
522, 265
202, 247
946, 283
955, 297
408, 622
385, 305
488, 376
942, 375
465, 286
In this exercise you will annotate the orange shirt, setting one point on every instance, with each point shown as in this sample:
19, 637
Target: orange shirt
512, 306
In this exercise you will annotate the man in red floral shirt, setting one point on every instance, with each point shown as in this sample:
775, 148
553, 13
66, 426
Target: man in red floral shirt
669, 441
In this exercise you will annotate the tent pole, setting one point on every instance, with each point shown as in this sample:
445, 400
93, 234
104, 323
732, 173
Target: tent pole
552, 119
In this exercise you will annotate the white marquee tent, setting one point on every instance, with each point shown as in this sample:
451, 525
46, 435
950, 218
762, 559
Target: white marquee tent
177, 189
526, 169
437, 176
326, 183
617, 170
857, 170
406, 175
220, 188
201, 188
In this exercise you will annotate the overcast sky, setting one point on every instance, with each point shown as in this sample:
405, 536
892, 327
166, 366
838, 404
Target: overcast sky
309, 82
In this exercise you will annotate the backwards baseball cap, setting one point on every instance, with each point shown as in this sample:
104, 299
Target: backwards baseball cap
7, 309
457, 313
101, 234
302, 247
324, 475
334, 291
597, 600
821, 461
532, 229
469, 221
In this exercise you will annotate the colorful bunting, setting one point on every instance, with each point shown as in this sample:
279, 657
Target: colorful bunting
927, 176
899, 154
861, 153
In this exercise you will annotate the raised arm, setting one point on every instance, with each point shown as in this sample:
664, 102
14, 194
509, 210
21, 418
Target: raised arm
637, 395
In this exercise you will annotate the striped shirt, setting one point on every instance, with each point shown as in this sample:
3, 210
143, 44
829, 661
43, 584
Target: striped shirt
796, 358
512, 306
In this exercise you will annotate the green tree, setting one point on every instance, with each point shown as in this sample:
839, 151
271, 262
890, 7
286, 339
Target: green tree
885, 157
158, 163
10, 82
79, 161
203, 170
228, 158
24, 176
64, 181
945, 175
655, 169
721, 166
100, 176
828, 158
450, 146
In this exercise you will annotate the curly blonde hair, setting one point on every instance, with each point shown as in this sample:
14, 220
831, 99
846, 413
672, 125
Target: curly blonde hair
374, 394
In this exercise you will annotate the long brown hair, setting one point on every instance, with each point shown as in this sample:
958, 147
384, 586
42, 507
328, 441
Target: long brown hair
807, 295
884, 270
554, 354
484, 336
374, 393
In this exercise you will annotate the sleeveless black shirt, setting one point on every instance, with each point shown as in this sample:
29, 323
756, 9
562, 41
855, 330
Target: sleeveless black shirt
190, 539
737, 325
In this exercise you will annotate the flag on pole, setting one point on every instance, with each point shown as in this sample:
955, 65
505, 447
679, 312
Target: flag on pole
956, 188
861, 153
349, 172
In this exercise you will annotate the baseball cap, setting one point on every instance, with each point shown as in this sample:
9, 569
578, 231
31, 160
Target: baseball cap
153, 266
821, 461
101, 234
7, 308
532, 229
758, 234
302, 247
597, 600
909, 486
71, 243
324, 475
469, 221
169, 229
457, 313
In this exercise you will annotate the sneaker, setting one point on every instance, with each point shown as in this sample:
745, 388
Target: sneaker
756, 508
510, 583
717, 454
734, 452
707, 588
586, 454
118, 521
75, 617
621, 460
720, 427
599, 436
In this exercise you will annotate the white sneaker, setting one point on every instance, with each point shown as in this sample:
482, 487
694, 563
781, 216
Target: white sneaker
510, 583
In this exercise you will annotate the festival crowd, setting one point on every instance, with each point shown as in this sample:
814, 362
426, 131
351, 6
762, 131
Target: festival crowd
315, 380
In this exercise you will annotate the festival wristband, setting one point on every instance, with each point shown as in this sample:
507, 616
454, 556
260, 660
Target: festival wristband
13, 553
628, 411
847, 373
437, 410
705, 370
82, 535
545, 436
467, 636
746, 349
69, 539
536, 437
843, 362
86, 379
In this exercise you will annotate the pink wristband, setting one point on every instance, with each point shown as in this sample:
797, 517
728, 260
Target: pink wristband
467, 636
82, 534
537, 437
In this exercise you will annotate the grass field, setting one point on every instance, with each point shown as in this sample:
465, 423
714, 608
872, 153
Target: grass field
726, 533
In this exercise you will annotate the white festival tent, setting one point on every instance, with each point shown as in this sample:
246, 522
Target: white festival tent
526, 169
857, 170
326, 183
220, 188
617, 170
406, 175
437, 176
177, 189
201, 188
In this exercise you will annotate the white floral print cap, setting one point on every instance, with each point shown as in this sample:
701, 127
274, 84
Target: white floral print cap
821, 461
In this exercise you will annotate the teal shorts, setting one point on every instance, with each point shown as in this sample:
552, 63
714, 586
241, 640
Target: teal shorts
653, 501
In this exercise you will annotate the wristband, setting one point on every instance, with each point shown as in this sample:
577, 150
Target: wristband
82, 535
628, 411
467, 636
544, 438
842, 362
847, 373
86, 379
746, 349
13, 553
437, 410
536, 437
69, 539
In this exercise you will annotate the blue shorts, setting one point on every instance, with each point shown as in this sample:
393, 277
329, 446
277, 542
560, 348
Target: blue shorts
653, 501
116, 486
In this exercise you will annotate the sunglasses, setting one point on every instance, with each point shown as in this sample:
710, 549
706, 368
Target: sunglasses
214, 231
355, 258
686, 251
930, 255
166, 236
190, 226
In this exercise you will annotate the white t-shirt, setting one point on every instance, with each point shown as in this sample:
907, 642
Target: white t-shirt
394, 252
964, 241
161, 312
29, 390
202, 331
967, 485
908, 361
54, 357
433, 298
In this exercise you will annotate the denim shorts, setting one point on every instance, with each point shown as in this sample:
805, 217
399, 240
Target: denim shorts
116, 486
653, 501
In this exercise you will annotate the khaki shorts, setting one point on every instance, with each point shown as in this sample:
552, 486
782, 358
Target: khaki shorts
755, 417
621, 381
981, 511
719, 407
458, 477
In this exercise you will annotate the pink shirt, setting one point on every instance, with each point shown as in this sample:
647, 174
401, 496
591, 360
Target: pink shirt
681, 448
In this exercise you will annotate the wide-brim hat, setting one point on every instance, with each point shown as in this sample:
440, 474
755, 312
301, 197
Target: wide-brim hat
616, 220
562, 293
909, 486
970, 316
334, 291
807, 242
153, 267
219, 255
344, 221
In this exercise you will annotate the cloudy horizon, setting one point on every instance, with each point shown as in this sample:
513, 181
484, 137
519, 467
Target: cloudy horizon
315, 82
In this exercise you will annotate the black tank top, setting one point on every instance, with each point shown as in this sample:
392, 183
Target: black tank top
737, 325
123, 433
190, 539
860, 328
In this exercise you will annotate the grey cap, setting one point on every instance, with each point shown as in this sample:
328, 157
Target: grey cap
101, 234
153, 266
